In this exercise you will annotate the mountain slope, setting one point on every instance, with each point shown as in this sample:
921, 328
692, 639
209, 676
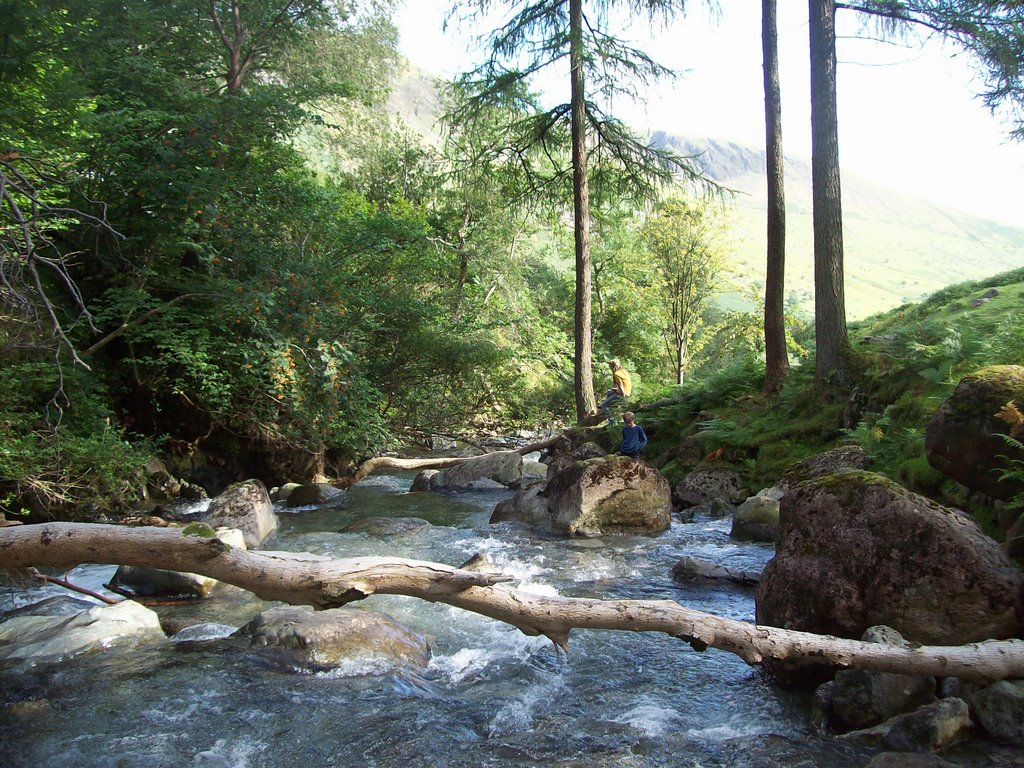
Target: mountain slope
898, 247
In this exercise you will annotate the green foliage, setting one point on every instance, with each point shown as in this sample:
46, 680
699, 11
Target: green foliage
61, 454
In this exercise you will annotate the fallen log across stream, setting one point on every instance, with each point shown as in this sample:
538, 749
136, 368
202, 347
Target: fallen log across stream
304, 579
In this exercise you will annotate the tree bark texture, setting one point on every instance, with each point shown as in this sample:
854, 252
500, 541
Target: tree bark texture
583, 358
304, 579
829, 301
776, 353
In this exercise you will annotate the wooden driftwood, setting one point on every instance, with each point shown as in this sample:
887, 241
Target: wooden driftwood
304, 579
370, 466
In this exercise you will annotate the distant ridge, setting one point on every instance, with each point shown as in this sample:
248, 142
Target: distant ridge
898, 248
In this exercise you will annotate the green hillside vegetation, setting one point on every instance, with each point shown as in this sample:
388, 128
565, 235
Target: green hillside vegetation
909, 360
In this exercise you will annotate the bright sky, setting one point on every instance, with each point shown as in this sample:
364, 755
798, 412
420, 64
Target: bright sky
909, 117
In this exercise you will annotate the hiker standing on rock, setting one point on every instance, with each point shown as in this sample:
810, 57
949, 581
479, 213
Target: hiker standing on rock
634, 439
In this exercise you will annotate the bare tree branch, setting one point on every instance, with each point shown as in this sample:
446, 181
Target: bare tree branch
304, 579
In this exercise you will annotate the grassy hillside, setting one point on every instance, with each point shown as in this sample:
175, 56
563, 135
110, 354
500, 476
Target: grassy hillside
910, 359
898, 248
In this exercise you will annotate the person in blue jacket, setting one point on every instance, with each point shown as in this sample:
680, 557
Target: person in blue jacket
634, 439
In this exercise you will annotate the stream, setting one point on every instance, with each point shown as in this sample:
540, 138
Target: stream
491, 695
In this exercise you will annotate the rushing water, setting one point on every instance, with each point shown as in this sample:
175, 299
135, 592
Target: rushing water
490, 697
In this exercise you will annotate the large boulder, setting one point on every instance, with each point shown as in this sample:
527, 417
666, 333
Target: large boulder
963, 438
863, 698
245, 506
609, 494
709, 483
855, 550
58, 628
145, 581
505, 467
298, 635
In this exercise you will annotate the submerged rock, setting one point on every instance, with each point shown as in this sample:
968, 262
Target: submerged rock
298, 635
386, 526
49, 631
310, 494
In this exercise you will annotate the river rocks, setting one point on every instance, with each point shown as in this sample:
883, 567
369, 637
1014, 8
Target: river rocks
930, 728
690, 568
424, 480
609, 494
690, 452
141, 580
298, 635
1014, 544
311, 494
58, 628
245, 506
862, 698
963, 438
709, 483
504, 467
856, 550
999, 709
756, 519
529, 505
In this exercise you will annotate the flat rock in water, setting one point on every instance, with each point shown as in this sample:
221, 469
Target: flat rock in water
298, 635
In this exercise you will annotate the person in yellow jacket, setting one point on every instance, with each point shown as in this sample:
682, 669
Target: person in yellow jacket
622, 387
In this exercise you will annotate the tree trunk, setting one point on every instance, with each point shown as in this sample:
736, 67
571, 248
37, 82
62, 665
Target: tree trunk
775, 351
829, 302
583, 362
304, 579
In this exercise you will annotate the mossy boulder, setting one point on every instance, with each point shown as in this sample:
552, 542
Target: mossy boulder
963, 439
856, 550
